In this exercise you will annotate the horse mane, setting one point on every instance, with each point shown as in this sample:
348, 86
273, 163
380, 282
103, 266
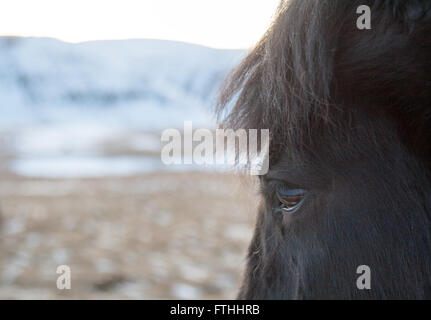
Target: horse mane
313, 67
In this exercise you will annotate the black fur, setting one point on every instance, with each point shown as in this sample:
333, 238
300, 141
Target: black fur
349, 113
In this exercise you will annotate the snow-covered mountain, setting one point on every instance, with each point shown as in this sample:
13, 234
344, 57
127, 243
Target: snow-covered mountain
149, 84
97, 108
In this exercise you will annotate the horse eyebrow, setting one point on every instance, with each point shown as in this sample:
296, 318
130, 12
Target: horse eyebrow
291, 177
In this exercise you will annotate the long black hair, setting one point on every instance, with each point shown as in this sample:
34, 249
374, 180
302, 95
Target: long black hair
349, 114
314, 60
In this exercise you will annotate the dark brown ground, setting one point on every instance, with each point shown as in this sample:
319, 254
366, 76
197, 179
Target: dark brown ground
160, 235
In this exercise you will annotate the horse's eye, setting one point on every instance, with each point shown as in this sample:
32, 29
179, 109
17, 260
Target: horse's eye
290, 200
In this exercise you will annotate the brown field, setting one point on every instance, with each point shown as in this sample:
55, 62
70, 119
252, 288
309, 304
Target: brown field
151, 236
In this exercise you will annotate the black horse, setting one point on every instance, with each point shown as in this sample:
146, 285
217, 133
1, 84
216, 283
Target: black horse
349, 183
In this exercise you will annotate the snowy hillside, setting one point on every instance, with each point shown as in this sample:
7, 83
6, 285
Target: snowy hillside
98, 108
144, 83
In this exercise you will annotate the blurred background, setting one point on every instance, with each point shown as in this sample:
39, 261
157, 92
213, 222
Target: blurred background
86, 88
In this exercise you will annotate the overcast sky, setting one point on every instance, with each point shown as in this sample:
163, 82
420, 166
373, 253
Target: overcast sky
215, 23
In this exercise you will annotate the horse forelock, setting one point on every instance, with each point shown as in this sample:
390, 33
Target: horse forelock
314, 70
